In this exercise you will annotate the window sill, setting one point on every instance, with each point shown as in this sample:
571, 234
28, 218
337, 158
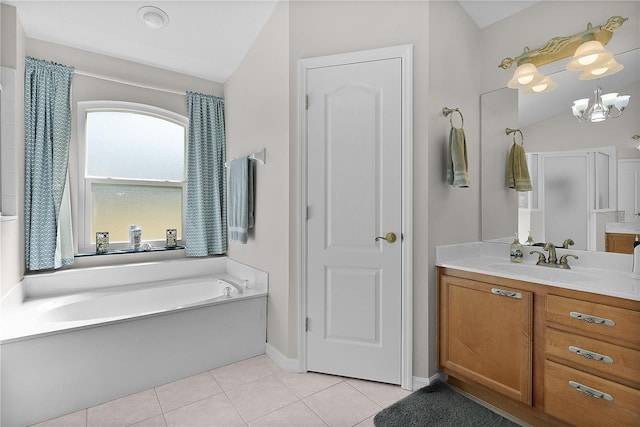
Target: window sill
128, 251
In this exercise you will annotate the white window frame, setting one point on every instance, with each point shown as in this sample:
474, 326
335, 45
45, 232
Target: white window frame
84, 244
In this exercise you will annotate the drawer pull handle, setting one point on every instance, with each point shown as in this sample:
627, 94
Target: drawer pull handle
504, 293
591, 355
592, 319
591, 392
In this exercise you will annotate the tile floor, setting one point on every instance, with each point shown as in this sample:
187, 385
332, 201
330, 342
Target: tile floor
251, 393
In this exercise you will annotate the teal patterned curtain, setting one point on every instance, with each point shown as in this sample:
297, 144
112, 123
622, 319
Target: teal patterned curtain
206, 213
47, 127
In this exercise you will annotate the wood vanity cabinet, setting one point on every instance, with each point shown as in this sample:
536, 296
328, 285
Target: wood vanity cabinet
620, 243
548, 355
486, 335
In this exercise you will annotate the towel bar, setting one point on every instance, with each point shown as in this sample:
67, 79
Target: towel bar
446, 111
513, 132
260, 156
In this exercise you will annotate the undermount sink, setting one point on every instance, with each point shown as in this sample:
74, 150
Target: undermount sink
543, 273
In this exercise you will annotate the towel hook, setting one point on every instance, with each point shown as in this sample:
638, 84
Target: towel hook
448, 111
510, 131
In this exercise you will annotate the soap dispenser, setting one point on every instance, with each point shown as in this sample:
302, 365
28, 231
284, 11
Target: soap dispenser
530, 241
515, 253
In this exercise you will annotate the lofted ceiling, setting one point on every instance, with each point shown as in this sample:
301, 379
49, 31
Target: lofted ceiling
206, 39
209, 38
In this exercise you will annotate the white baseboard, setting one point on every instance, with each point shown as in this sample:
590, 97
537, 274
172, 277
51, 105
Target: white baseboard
286, 363
419, 382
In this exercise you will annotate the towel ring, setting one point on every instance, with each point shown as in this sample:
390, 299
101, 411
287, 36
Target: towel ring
448, 112
510, 131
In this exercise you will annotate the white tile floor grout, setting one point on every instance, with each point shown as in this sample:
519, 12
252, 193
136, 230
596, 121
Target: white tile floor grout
250, 393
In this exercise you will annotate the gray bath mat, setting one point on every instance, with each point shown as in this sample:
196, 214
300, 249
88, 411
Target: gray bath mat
438, 405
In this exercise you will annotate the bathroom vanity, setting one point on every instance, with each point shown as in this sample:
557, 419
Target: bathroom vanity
619, 237
558, 348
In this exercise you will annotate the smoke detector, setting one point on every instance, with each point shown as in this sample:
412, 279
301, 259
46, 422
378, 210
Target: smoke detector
153, 17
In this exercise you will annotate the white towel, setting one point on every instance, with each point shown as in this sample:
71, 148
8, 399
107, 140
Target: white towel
241, 202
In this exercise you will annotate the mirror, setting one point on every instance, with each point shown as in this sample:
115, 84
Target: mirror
608, 164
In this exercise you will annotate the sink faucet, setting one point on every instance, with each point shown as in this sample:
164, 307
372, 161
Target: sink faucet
567, 243
553, 260
552, 252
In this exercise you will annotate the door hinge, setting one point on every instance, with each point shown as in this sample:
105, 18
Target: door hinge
306, 213
306, 324
306, 102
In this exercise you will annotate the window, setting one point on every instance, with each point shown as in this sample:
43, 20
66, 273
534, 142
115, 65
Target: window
132, 166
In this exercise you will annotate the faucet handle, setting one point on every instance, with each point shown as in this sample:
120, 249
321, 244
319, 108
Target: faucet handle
567, 243
563, 260
541, 257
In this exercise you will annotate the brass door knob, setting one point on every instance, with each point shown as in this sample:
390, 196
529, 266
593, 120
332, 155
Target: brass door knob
390, 237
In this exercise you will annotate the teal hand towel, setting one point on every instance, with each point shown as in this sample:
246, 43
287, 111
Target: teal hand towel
241, 200
517, 169
458, 166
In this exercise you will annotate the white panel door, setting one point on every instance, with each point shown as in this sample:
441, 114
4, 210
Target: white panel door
354, 194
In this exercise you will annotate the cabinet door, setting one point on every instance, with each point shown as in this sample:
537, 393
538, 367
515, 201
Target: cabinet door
485, 335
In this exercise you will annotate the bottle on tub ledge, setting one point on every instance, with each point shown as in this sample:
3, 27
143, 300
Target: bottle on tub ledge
135, 237
515, 252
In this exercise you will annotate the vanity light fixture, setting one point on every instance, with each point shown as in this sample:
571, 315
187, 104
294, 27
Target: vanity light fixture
153, 17
587, 49
605, 106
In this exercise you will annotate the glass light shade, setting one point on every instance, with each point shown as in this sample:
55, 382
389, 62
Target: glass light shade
589, 55
621, 102
575, 111
609, 99
526, 75
546, 85
606, 69
581, 104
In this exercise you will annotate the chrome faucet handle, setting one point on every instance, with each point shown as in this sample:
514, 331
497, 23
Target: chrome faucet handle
563, 260
542, 259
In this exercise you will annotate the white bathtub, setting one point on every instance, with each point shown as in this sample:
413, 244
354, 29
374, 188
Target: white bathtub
76, 338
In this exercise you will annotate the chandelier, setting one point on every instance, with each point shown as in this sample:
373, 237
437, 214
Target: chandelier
605, 106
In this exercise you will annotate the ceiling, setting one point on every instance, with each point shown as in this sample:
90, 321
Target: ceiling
206, 39
487, 12
209, 39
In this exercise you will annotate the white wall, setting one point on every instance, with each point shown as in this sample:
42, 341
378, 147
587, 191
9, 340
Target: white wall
257, 116
318, 28
13, 48
453, 213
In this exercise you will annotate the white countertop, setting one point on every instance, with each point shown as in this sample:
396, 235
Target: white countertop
596, 272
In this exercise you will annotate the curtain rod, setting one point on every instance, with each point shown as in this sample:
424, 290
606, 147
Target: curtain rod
127, 82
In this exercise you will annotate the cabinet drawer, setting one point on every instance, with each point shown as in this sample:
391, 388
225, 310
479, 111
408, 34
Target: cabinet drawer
607, 358
596, 318
586, 400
